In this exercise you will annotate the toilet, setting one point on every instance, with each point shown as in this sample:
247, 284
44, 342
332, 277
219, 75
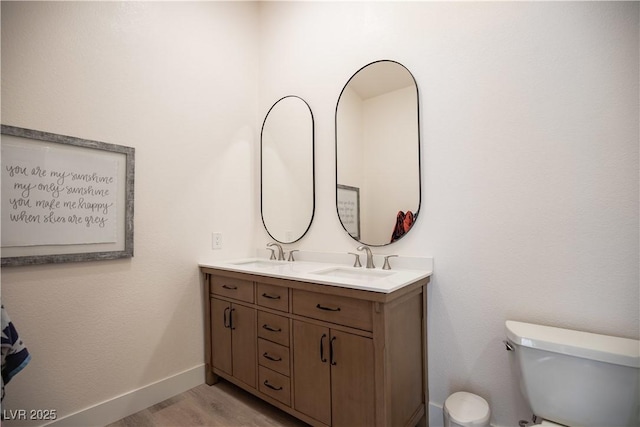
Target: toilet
575, 378
463, 409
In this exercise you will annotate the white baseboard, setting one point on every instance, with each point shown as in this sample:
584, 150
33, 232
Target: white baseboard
436, 417
129, 403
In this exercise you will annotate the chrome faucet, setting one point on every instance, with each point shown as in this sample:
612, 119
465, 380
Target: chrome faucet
367, 249
280, 251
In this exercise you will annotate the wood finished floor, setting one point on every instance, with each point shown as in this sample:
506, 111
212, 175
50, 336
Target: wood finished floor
220, 405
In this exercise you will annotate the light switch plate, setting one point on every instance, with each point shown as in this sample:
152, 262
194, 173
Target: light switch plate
216, 240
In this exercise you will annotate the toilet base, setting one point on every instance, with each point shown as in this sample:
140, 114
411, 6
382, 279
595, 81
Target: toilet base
548, 423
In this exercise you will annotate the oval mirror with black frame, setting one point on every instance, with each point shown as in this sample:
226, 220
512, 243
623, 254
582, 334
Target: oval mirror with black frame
378, 153
287, 180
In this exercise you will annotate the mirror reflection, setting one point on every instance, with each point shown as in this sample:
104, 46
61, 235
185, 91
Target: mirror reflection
287, 169
378, 153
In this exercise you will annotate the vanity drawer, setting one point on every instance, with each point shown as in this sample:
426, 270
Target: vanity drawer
275, 385
273, 328
274, 356
233, 288
335, 309
276, 297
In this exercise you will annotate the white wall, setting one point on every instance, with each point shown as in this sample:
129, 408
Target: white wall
529, 114
286, 147
178, 82
350, 127
390, 136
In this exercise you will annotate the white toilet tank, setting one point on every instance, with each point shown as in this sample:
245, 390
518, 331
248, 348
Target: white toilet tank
577, 378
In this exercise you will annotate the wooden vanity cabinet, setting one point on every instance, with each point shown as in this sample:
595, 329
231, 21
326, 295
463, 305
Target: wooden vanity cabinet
329, 355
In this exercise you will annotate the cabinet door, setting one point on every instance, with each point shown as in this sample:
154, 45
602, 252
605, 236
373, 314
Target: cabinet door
244, 342
352, 380
311, 371
221, 335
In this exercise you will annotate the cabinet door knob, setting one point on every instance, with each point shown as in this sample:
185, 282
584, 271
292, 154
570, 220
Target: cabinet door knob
231, 318
225, 321
322, 358
333, 362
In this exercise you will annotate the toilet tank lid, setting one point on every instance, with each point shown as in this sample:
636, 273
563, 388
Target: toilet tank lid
604, 348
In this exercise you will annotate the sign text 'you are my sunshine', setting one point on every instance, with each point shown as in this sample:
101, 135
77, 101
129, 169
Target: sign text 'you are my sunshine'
55, 196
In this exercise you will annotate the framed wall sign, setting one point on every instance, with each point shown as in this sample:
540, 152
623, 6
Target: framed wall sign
64, 199
348, 203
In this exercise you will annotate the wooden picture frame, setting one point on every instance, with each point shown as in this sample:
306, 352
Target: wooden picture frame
64, 199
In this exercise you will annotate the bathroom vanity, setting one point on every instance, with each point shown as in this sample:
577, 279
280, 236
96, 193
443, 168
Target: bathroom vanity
331, 345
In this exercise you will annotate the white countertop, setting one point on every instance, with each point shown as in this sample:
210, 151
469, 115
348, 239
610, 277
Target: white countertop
329, 273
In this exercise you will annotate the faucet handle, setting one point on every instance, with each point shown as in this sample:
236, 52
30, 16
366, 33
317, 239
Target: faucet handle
386, 265
291, 254
273, 253
357, 261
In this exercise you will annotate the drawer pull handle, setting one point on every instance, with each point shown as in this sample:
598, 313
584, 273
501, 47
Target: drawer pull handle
232, 288
269, 328
266, 382
270, 357
322, 307
266, 295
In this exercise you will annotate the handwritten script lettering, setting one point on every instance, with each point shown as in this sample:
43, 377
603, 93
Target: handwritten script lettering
53, 198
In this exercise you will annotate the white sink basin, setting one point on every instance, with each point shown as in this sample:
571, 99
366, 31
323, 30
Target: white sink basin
359, 274
258, 263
